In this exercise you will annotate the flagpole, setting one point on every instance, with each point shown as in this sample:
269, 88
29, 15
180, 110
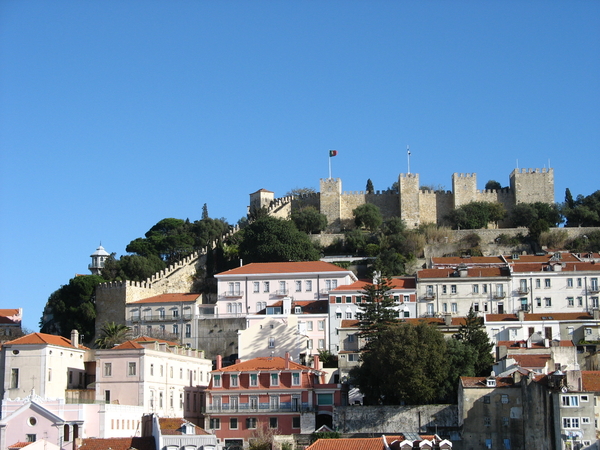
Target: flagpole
408, 156
329, 158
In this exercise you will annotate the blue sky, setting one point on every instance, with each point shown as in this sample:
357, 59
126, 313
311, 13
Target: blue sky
115, 115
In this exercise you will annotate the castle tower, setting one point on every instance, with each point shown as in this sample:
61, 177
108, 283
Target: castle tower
260, 199
98, 258
464, 188
331, 201
532, 185
408, 188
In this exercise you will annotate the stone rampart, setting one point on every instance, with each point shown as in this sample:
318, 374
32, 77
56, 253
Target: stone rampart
392, 419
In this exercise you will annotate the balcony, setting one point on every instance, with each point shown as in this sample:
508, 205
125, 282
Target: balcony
160, 318
593, 289
499, 295
260, 408
233, 294
281, 292
523, 290
429, 296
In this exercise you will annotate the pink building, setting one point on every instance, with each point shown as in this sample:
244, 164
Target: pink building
268, 392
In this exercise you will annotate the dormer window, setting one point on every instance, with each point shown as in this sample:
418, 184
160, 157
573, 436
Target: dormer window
274, 379
216, 380
234, 380
296, 379
491, 382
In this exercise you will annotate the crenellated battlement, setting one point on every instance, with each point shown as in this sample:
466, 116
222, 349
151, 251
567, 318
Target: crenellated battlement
465, 175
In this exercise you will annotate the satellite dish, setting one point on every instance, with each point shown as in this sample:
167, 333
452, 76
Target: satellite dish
563, 389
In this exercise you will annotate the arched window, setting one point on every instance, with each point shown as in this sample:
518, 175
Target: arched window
66, 432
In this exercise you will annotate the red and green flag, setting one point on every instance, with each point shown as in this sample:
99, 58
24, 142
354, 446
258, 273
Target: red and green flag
332, 153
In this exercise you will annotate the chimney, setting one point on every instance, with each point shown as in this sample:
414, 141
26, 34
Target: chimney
75, 338
448, 320
596, 314
287, 360
316, 362
521, 315
219, 362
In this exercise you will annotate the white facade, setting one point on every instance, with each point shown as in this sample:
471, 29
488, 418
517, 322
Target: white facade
159, 376
256, 287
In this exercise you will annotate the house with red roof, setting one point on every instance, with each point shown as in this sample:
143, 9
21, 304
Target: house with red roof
271, 393
258, 287
177, 433
10, 323
399, 442
160, 376
345, 304
41, 444
168, 316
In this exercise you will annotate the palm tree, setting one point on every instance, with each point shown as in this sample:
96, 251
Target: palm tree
112, 334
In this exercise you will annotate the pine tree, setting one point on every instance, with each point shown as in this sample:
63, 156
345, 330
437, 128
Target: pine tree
204, 212
377, 309
474, 334
370, 188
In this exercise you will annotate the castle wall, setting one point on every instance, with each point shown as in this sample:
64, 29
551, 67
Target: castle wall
409, 199
331, 205
464, 187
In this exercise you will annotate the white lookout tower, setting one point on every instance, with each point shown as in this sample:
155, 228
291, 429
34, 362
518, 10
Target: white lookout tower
98, 258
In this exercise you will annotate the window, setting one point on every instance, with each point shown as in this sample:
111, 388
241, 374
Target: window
429, 308
309, 343
50, 374
31, 438
594, 302
253, 403
584, 398
308, 285
538, 283
484, 288
348, 314
538, 301
444, 290
579, 301
298, 286
295, 379
234, 403
548, 301
570, 301
570, 422
486, 399
160, 399
309, 325
429, 290
505, 421
233, 423
585, 420
475, 289
256, 287
175, 328
487, 421
578, 282
588, 331
266, 286
272, 422
324, 399
359, 299
348, 299
282, 287
504, 398
108, 369
251, 423
271, 342
274, 402
570, 400
181, 373
171, 372
547, 282
296, 422
338, 299
321, 325
253, 379
215, 423
131, 369
274, 379
234, 380
453, 289
171, 399
507, 444
454, 308
338, 315
352, 357
14, 378
175, 313
216, 380
594, 286
570, 330
321, 344
569, 282
445, 307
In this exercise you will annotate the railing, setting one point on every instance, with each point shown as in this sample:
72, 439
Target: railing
523, 290
429, 296
233, 294
282, 292
593, 289
161, 318
261, 407
499, 295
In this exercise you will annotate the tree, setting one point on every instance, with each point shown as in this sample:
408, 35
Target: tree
204, 212
368, 216
72, 307
404, 364
462, 359
131, 267
473, 333
300, 192
309, 220
269, 239
169, 239
355, 242
569, 202
391, 263
476, 215
370, 188
493, 185
377, 309
112, 334
582, 212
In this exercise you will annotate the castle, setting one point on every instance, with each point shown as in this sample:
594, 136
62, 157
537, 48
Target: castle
414, 205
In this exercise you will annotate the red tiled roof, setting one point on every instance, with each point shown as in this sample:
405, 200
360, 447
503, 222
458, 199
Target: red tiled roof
396, 283
353, 443
284, 267
534, 345
138, 443
480, 382
591, 380
568, 267
169, 298
135, 343
350, 323
263, 363
524, 259
172, 426
43, 338
455, 321
530, 361
472, 272
18, 445
455, 260
538, 317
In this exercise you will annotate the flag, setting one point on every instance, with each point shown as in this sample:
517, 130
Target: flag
332, 153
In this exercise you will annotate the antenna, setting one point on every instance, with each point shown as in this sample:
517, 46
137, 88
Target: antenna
517, 164
408, 156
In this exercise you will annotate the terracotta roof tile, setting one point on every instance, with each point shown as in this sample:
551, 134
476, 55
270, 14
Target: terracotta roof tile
262, 363
472, 272
353, 443
43, 338
284, 267
456, 260
545, 267
480, 382
524, 259
138, 443
591, 380
538, 317
396, 283
135, 343
530, 361
350, 324
18, 445
169, 298
172, 426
